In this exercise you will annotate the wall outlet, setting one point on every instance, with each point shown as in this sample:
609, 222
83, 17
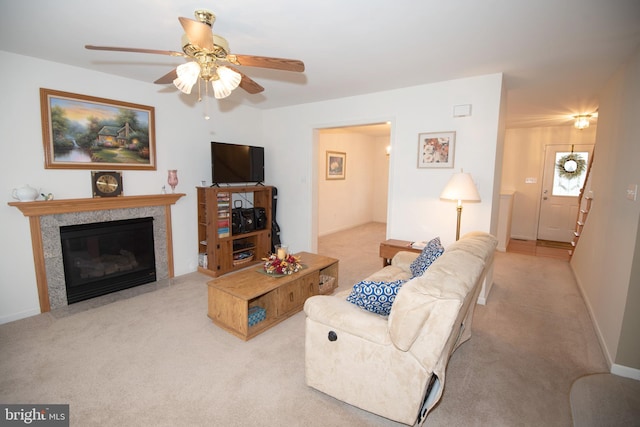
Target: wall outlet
632, 192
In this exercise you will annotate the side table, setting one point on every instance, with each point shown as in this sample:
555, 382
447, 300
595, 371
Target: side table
390, 247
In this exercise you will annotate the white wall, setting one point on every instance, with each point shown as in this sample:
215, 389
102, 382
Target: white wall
361, 197
182, 142
524, 158
182, 138
604, 258
415, 210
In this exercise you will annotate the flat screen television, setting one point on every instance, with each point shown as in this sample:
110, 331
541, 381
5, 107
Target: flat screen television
234, 163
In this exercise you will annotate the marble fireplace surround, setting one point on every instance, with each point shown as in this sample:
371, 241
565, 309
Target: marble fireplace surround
46, 218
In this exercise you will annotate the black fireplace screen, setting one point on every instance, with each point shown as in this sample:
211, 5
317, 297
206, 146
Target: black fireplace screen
105, 257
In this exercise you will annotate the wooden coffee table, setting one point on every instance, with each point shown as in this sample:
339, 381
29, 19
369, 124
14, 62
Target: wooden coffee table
231, 296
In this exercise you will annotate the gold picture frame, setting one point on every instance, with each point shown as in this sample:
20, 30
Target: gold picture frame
85, 132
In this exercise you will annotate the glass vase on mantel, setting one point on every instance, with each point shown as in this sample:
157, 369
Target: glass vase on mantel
172, 180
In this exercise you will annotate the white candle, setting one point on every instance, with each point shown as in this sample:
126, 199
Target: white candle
282, 253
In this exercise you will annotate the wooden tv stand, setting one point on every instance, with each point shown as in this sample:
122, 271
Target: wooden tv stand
231, 296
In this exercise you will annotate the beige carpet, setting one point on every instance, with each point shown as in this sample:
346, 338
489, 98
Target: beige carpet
605, 400
156, 359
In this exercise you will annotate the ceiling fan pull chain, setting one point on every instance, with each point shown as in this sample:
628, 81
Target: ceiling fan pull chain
206, 101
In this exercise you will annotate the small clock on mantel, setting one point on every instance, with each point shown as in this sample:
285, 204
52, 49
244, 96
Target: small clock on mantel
106, 183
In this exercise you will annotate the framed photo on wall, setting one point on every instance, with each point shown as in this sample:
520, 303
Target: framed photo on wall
84, 132
436, 149
336, 165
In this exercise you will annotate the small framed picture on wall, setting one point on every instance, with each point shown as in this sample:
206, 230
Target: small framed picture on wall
436, 149
336, 165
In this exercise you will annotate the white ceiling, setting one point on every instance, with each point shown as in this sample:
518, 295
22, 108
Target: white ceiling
556, 55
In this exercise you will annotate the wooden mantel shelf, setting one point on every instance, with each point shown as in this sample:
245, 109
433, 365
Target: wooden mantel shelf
36, 209
52, 207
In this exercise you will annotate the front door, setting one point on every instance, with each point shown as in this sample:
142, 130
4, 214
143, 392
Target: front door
565, 171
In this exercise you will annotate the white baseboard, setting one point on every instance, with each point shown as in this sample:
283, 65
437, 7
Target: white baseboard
18, 316
596, 327
625, 371
521, 237
342, 228
620, 370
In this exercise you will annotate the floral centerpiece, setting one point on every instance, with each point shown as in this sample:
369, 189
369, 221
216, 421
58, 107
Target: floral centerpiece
288, 265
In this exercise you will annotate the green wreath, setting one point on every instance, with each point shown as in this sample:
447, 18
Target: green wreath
571, 166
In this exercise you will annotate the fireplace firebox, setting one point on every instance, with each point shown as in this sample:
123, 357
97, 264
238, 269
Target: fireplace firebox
100, 258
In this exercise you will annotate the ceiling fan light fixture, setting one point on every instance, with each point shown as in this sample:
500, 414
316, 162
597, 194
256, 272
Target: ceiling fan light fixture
188, 74
229, 77
220, 90
227, 81
205, 52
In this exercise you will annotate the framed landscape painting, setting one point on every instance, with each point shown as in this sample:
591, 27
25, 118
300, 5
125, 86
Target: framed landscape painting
336, 165
84, 132
435, 150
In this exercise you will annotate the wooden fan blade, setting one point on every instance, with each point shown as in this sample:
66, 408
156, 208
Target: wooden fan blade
134, 50
250, 85
267, 62
199, 34
167, 78
247, 83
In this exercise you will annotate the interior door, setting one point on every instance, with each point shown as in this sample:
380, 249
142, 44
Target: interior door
565, 170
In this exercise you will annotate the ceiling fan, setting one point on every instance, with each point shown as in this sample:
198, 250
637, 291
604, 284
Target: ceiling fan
210, 60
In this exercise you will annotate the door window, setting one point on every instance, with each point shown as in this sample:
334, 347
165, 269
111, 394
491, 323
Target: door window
570, 173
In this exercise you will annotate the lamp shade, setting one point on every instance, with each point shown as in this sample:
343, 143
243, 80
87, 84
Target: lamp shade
187, 76
461, 187
227, 81
229, 77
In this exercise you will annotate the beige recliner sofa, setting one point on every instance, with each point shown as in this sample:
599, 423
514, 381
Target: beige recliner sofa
394, 366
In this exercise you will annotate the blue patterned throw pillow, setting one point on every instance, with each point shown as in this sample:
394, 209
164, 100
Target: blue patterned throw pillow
428, 255
376, 297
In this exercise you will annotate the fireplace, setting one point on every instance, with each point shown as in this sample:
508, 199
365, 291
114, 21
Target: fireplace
46, 218
100, 258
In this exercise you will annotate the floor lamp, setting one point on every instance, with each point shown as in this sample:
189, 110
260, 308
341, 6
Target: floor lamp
460, 187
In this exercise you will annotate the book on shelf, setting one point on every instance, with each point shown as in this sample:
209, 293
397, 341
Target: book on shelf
223, 227
202, 259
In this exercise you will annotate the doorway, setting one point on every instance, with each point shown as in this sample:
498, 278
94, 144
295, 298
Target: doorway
565, 171
360, 194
